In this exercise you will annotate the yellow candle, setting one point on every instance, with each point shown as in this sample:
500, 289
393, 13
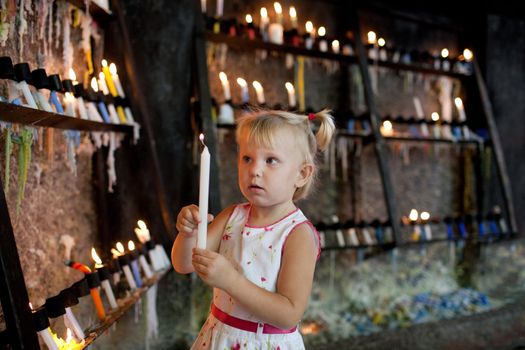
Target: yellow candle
109, 80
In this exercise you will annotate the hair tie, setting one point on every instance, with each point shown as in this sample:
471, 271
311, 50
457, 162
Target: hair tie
311, 116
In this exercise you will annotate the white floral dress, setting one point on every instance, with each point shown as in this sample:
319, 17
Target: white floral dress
257, 252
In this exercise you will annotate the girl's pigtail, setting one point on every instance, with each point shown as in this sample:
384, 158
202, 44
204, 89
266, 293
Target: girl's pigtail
326, 129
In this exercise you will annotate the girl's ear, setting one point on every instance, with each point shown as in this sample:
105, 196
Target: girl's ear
304, 175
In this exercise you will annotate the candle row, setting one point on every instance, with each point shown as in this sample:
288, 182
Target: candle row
378, 50
103, 101
135, 264
354, 234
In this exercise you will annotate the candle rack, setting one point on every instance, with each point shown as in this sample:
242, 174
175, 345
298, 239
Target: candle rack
98, 13
34, 117
124, 306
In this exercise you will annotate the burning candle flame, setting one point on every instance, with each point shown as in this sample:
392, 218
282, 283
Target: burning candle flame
371, 37
72, 74
30, 306
256, 85
223, 77
120, 248
413, 215
104, 63
293, 13
435, 116
321, 31
94, 84
241, 82
141, 223
458, 102
115, 253
278, 8
96, 258
424, 215
387, 125
444, 53
335, 45
201, 138
249, 18
131, 245
289, 87
309, 27
113, 68
264, 12
381, 42
468, 55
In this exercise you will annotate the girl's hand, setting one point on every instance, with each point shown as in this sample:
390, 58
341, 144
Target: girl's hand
214, 269
188, 220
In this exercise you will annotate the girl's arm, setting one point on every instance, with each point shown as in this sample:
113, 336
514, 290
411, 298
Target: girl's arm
286, 306
187, 223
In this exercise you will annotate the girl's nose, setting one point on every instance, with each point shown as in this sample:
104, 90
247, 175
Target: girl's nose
255, 170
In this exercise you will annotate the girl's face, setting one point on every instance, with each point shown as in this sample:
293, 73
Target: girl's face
269, 176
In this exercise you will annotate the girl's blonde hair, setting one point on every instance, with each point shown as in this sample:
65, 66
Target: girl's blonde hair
260, 128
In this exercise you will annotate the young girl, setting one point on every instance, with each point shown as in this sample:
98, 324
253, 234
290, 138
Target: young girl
260, 256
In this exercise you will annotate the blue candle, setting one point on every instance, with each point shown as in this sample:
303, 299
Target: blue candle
450, 229
136, 273
462, 229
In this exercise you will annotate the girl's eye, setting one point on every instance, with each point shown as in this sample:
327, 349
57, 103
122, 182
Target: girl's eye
272, 161
246, 159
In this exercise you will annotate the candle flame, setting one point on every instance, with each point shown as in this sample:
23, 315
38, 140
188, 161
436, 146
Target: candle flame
72, 74
444, 53
223, 77
95, 257
241, 82
289, 87
371, 37
278, 8
387, 125
335, 45
94, 84
381, 42
257, 86
131, 245
264, 12
69, 336
309, 26
413, 215
458, 102
113, 68
249, 18
115, 253
321, 31
142, 225
435, 116
293, 13
30, 306
468, 55
104, 63
424, 215
120, 248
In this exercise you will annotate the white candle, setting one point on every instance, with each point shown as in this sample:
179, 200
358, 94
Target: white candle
293, 16
245, 97
461, 109
225, 86
323, 46
291, 94
68, 101
264, 20
116, 80
259, 92
335, 46
203, 6
419, 108
220, 7
102, 83
204, 184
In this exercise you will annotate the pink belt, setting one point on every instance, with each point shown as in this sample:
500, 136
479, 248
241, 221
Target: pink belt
247, 325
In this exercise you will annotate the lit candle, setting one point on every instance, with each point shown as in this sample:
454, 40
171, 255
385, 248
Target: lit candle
425, 216
116, 80
225, 86
144, 237
291, 94
382, 51
436, 129
250, 28
124, 264
323, 45
259, 92
94, 283
245, 97
335, 46
69, 102
101, 106
468, 55
461, 110
134, 263
293, 16
203, 195
309, 41
276, 30
446, 63
79, 95
416, 235
103, 273
70, 299
387, 128
374, 55
263, 25
109, 81
102, 83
